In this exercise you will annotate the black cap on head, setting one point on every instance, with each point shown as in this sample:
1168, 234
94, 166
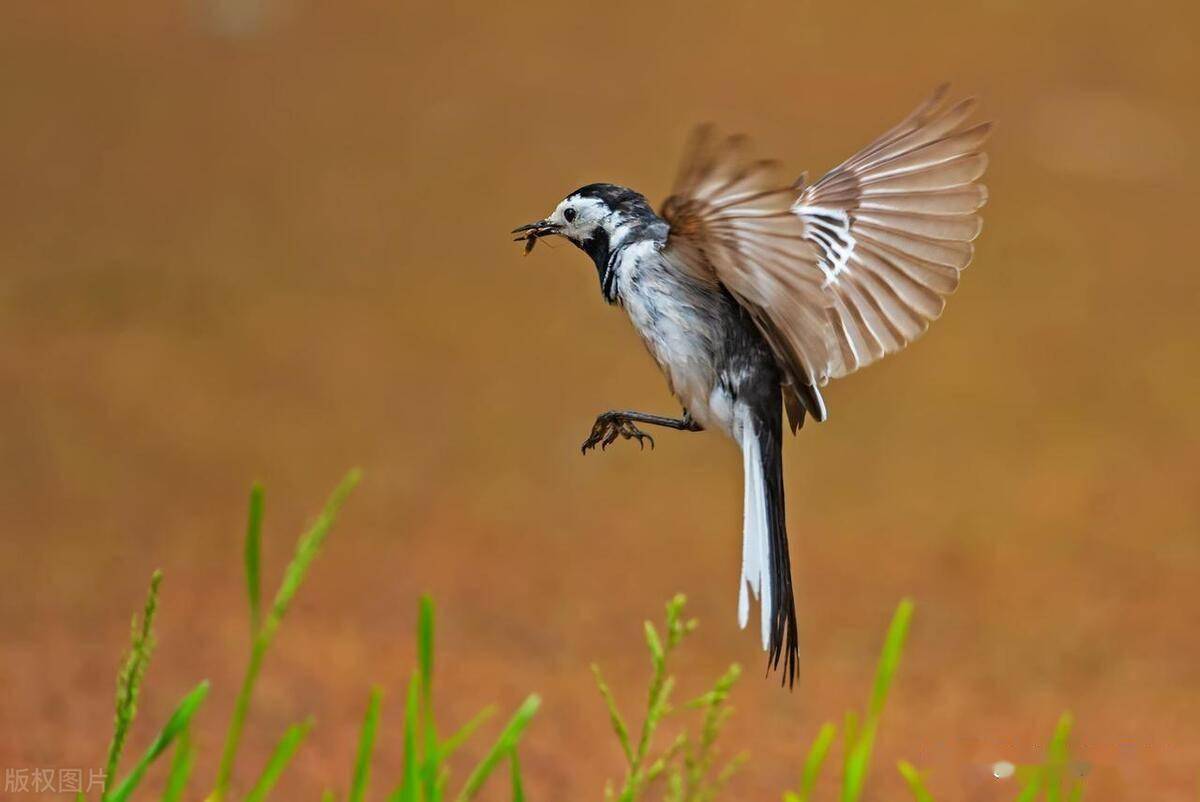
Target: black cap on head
616, 197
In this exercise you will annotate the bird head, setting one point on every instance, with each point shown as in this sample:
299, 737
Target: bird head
595, 218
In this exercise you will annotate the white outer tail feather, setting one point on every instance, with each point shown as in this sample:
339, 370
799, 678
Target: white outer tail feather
756, 545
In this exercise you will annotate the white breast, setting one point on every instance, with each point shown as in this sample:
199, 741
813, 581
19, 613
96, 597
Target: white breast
673, 315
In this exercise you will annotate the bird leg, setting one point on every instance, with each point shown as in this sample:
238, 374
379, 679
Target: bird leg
613, 424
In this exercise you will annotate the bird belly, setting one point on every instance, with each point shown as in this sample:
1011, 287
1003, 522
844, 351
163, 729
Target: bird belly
675, 318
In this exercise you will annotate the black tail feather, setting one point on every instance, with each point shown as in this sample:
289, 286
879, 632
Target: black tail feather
784, 643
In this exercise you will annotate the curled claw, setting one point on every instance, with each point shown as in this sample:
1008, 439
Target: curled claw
609, 427
610, 438
599, 433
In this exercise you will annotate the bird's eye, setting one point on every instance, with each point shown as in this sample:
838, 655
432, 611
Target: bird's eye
569, 215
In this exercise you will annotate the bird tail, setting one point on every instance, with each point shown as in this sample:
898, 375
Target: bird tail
766, 566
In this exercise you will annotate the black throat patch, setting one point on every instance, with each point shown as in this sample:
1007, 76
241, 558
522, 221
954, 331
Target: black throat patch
599, 249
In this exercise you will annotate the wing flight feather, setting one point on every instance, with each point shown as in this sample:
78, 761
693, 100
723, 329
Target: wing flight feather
854, 267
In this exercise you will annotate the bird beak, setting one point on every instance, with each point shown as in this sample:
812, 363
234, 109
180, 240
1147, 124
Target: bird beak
539, 229
531, 232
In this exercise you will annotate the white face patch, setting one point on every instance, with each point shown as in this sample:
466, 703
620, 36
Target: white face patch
579, 216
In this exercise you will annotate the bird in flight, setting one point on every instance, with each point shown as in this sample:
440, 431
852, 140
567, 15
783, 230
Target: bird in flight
751, 293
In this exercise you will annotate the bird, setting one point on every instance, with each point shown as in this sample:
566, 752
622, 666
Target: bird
751, 292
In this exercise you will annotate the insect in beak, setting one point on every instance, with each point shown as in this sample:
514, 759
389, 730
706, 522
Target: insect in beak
532, 231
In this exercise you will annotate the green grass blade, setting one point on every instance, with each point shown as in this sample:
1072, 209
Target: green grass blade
439, 790
913, 778
328, 796
614, 714
893, 646
858, 762
409, 789
366, 745
425, 624
507, 741
657, 706
1032, 785
676, 626
285, 750
129, 679
731, 768
675, 789
518, 787
849, 739
176, 724
816, 758
182, 763
429, 751
449, 746
858, 759
654, 643
307, 548
1057, 756
1058, 750
253, 557
680, 745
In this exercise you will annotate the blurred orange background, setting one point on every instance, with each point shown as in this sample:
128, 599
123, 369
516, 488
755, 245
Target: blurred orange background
243, 239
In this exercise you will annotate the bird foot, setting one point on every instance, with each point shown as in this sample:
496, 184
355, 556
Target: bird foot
611, 425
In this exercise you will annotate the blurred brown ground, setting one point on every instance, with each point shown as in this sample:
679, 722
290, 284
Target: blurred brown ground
238, 245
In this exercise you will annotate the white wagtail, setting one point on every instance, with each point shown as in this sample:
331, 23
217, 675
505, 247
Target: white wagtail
751, 294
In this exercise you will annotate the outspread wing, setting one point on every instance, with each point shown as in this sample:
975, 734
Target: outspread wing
841, 273
731, 222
